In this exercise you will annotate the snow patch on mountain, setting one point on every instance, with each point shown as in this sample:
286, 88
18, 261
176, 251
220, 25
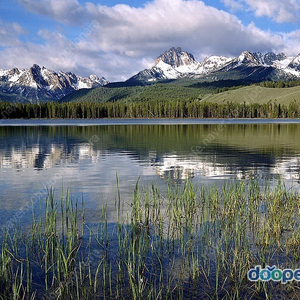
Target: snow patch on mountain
167, 70
282, 64
295, 63
14, 78
213, 63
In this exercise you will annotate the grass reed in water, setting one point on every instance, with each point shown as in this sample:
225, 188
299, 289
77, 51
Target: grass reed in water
193, 242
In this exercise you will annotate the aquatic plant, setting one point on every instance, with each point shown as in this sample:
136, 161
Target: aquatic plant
188, 242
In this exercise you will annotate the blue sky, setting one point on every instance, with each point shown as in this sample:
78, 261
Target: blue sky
116, 39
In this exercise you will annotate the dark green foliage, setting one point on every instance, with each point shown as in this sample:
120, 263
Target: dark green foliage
171, 90
225, 89
279, 84
230, 83
193, 108
12, 97
181, 89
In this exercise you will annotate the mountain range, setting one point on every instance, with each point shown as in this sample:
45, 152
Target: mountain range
41, 84
176, 63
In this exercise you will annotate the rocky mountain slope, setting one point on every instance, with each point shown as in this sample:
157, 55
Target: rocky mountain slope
41, 84
176, 63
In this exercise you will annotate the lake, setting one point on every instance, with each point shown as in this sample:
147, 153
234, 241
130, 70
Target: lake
87, 156
168, 239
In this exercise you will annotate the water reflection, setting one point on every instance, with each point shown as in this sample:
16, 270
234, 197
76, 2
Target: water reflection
88, 158
182, 169
239, 151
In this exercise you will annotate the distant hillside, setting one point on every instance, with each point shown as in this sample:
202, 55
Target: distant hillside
181, 89
256, 94
12, 98
160, 91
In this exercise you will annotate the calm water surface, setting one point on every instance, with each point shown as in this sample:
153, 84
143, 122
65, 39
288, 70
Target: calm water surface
85, 156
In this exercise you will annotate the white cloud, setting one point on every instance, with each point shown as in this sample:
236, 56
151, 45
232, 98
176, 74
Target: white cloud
18, 28
9, 33
278, 10
286, 11
235, 5
291, 42
165, 23
116, 42
65, 11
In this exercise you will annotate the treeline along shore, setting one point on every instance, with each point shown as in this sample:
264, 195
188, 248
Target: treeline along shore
148, 109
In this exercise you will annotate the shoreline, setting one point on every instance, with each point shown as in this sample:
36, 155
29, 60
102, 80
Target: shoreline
144, 121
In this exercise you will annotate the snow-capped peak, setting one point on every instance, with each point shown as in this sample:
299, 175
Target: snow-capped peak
40, 83
270, 58
96, 80
247, 57
176, 58
175, 63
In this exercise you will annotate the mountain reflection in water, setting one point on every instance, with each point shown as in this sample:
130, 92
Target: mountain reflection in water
87, 158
